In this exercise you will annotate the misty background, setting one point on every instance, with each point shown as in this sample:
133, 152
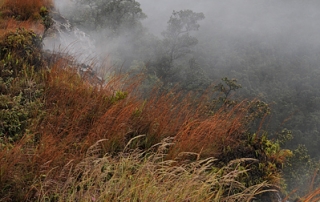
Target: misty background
270, 47
288, 26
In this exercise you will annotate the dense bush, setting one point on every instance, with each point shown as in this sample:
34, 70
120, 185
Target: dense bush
20, 82
19, 50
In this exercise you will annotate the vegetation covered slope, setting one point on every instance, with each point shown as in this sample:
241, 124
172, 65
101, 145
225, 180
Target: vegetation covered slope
57, 126
63, 139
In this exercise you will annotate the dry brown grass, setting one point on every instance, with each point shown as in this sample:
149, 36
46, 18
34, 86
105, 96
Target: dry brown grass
10, 25
313, 196
24, 9
22, 14
132, 177
314, 193
78, 115
211, 134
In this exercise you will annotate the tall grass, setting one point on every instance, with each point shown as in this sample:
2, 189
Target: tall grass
24, 9
28, 14
313, 196
314, 193
77, 115
1, 3
132, 177
11, 25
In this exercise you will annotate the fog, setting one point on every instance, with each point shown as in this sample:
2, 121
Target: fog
294, 23
288, 25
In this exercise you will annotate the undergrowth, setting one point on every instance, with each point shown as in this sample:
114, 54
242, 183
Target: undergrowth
133, 176
21, 83
77, 115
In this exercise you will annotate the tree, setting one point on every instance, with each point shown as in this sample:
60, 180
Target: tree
195, 78
177, 41
176, 37
111, 14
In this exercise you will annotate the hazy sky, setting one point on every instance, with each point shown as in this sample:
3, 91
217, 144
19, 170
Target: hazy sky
159, 12
292, 19
295, 22
287, 24
250, 14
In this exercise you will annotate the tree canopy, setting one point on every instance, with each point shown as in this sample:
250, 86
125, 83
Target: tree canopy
108, 14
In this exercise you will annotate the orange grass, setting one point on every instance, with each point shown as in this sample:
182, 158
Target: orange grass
24, 9
210, 135
314, 196
12, 24
79, 114
22, 14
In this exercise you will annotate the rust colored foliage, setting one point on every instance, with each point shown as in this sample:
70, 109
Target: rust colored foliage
24, 9
12, 24
28, 14
77, 115
210, 135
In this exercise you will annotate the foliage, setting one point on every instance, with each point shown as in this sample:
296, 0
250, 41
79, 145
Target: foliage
177, 40
24, 10
16, 114
195, 78
222, 94
115, 15
20, 83
287, 82
19, 50
78, 115
230, 85
181, 23
46, 19
136, 178
177, 43
301, 171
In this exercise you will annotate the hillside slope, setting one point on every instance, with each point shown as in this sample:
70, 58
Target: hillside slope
63, 138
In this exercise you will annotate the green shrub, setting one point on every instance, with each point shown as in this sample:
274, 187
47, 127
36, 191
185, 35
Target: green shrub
20, 83
19, 49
